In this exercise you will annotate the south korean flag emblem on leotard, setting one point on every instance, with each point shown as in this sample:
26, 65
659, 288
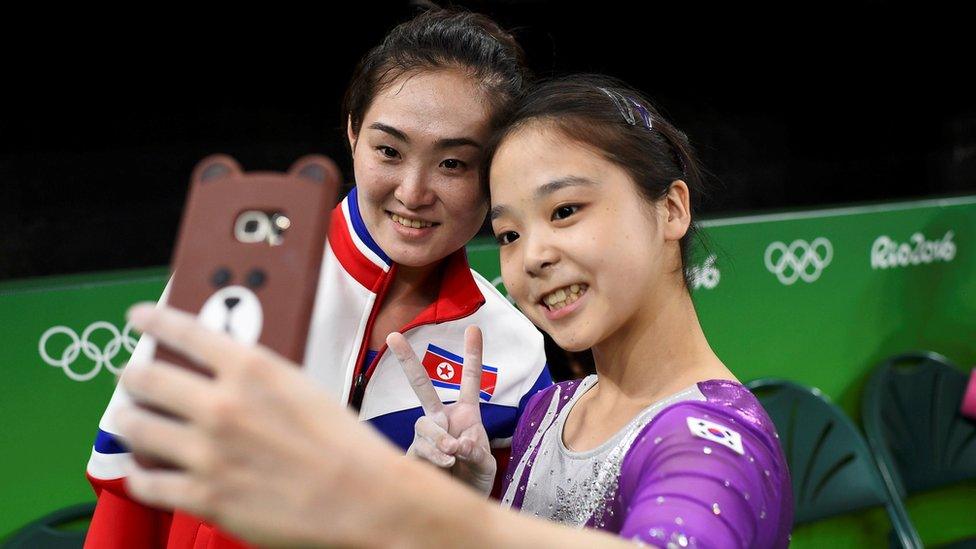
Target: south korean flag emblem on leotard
716, 433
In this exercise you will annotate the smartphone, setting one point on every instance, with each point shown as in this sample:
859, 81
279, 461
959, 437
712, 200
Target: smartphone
249, 250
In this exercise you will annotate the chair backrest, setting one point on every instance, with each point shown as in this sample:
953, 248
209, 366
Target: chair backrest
913, 424
831, 466
47, 532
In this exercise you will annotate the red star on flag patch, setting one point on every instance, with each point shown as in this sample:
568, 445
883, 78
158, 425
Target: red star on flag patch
444, 369
715, 432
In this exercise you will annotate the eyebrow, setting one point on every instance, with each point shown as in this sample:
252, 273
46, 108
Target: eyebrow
390, 130
451, 142
445, 143
546, 190
562, 183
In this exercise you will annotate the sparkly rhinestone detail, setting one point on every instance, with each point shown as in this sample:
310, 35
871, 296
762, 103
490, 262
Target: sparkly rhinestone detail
581, 488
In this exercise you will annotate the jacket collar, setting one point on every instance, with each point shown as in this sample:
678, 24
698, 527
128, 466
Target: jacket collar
368, 264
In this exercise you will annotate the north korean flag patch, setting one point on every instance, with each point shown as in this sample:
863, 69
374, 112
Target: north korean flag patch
444, 370
717, 433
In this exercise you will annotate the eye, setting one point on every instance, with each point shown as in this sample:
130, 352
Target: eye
453, 164
563, 212
220, 277
255, 278
388, 152
507, 237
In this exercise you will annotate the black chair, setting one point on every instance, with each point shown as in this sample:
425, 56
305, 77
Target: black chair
48, 532
918, 436
831, 467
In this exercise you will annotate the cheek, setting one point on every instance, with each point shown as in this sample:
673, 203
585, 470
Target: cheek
464, 193
512, 276
466, 201
630, 276
373, 180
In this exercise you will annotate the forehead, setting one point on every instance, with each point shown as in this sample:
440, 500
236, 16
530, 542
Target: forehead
440, 103
540, 153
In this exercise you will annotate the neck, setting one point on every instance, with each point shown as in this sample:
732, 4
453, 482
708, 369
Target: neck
415, 283
660, 352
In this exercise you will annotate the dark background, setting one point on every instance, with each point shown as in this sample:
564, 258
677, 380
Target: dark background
789, 105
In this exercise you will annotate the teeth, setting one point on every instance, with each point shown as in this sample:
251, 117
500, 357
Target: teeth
413, 223
564, 296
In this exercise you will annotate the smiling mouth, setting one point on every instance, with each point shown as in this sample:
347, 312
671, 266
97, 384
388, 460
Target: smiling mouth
411, 223
564, 296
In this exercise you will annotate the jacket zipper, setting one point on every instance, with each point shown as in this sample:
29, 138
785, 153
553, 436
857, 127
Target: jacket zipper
361, 379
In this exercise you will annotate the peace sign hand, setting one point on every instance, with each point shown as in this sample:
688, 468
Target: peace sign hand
450, 436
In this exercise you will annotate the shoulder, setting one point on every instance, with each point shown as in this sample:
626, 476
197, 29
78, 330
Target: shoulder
729, 417
726, 436
733, 401
539, 403
723, 452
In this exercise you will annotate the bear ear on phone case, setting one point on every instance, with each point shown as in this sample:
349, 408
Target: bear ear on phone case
249, 250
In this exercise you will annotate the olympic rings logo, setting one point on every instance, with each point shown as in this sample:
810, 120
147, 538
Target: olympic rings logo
102, 356
799, 260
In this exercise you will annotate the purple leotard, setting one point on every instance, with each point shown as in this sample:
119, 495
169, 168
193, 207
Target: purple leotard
700, 468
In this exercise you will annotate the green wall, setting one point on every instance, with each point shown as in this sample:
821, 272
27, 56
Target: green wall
876, 281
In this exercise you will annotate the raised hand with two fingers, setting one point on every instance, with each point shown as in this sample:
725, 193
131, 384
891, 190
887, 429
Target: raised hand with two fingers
451, 435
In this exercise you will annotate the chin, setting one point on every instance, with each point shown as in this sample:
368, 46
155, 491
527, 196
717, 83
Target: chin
412, 256
573, 343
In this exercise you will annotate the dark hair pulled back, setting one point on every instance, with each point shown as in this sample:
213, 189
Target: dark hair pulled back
441, 39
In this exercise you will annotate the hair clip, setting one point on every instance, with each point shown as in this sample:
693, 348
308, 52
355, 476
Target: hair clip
645, 115
623, 105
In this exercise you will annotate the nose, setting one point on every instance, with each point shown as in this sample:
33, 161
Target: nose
414, 191
231, 302
540, 255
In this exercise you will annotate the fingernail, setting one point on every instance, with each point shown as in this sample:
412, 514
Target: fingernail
139, 314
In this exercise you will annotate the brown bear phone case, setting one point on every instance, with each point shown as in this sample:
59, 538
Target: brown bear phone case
249, 249
248, 254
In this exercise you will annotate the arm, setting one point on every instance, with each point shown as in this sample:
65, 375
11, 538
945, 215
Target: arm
702, 472
322, 478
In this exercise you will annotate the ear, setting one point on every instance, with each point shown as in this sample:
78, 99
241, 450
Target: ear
351, 135
317, 169
677, 206
214, 167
